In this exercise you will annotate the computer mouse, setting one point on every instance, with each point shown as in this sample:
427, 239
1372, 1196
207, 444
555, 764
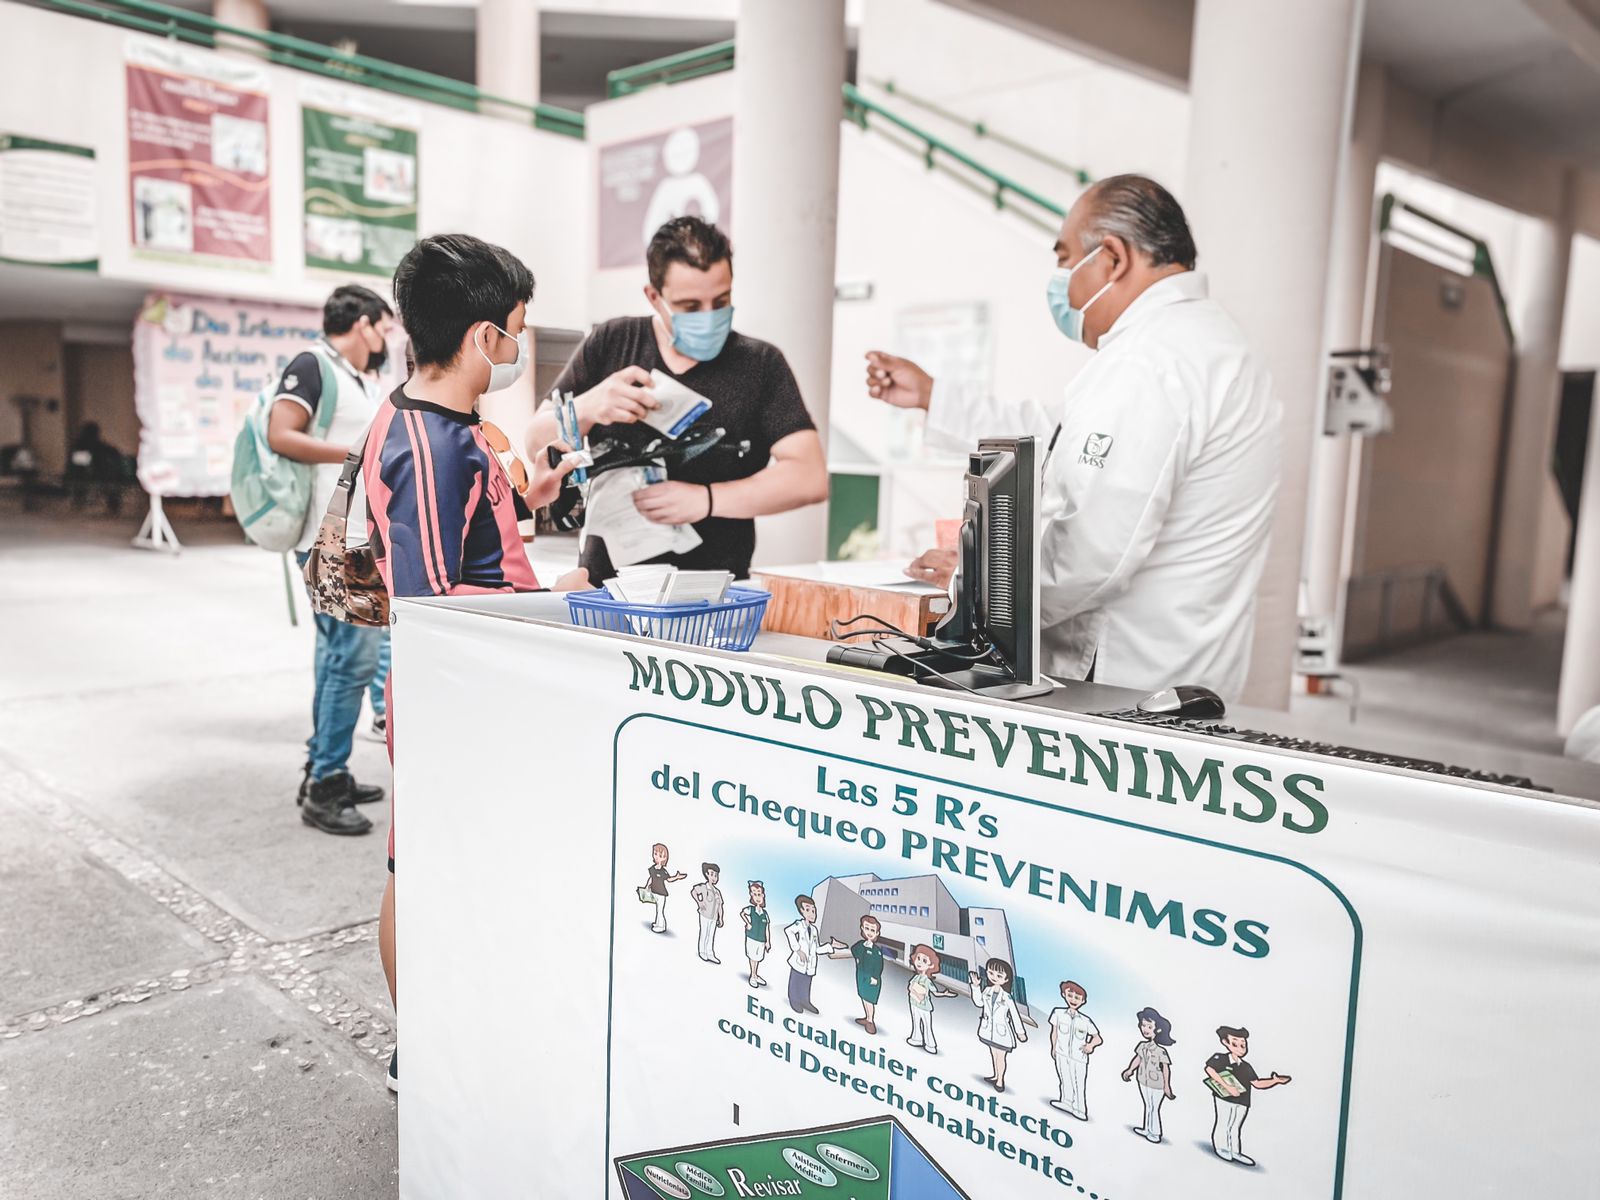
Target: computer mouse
1185, 700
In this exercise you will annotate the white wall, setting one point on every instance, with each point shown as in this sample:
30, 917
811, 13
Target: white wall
1073, 108
1580, 330
61, 77
921, 239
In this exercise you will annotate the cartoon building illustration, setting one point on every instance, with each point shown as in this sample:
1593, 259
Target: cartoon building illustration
875, 1159
918, 908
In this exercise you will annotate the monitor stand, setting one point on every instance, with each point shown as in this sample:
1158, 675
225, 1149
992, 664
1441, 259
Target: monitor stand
956, 671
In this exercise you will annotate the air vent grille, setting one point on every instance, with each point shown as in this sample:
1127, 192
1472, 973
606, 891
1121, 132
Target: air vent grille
1002, 552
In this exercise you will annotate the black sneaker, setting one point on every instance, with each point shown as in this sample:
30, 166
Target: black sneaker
328, 806
360, 793
394, 1071
365, 793
378, 731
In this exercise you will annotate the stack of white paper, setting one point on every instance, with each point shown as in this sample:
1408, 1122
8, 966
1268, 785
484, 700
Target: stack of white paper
663, 584
643, 584
688, 587
630, 536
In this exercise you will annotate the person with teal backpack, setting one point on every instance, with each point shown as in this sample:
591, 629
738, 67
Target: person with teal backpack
271, 492
286, 468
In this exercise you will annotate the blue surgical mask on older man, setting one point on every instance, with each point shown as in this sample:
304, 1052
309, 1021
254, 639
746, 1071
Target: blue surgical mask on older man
1068, 319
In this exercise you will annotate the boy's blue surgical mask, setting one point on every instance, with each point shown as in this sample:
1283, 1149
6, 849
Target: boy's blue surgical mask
702, 335
1068, 319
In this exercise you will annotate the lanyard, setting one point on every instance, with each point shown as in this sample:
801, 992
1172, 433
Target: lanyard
1049, 450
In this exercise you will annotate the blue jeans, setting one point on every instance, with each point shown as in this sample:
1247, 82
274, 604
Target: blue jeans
346, 659
380, 677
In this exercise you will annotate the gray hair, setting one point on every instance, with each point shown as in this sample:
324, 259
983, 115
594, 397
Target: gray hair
1142, 213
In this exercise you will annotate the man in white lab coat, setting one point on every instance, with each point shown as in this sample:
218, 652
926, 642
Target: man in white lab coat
1158, 487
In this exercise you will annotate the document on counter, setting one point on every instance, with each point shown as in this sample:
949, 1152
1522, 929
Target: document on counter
630, 536
679, 406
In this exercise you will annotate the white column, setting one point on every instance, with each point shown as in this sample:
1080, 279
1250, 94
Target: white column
242, 14
1270, 87
790, 59
1349, 292
1538, 304
1580, 655
508, 52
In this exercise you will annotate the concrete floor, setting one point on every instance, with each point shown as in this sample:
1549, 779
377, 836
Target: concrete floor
1480, 689
190, 996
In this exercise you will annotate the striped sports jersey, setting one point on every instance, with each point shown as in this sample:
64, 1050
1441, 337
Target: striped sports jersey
440, 510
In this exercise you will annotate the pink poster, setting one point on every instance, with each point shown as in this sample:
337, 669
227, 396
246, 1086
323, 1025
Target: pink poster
197, 154
643, 183
198, 362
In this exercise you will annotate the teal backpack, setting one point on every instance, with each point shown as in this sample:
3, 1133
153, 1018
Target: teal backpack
271, 493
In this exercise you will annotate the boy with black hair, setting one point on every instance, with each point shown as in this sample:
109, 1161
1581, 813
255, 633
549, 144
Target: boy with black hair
355, 322
441, 513
689, 336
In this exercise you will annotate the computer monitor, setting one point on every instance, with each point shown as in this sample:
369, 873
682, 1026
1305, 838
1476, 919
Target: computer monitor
989, 641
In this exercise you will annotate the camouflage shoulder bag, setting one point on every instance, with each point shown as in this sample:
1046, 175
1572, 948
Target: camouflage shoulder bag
343, 581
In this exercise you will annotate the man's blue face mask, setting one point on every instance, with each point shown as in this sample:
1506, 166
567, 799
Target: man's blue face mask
702, 335
1068, 319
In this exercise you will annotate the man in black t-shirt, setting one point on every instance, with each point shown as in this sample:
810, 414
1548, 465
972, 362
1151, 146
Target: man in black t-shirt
1231, 1080
689, 336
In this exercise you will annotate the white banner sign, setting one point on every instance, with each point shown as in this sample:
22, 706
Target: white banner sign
771, 931
47, 203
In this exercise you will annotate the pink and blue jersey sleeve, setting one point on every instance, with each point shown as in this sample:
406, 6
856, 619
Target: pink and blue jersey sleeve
441, 516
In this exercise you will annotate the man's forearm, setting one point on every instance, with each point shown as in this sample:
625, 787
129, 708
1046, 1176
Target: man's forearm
542, 430
303, 448
777, 488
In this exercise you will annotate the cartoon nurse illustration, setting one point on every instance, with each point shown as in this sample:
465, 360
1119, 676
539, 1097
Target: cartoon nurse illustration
868, 956
1073, 1038
757, 931
999, 1024
656, 883
920, 992
1152, 1065
1231, 1079
707, 898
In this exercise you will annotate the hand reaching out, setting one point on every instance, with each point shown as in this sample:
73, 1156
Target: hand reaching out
897, 381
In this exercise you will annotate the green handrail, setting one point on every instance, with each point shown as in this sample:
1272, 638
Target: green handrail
149, 16
674, 68
857, 108
981, 129
710, 60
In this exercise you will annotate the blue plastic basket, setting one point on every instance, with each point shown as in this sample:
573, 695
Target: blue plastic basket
731, 625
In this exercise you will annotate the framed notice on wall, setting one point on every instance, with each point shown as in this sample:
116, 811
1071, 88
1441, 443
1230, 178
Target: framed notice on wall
47, 203
646, 182
197, 154
360, 171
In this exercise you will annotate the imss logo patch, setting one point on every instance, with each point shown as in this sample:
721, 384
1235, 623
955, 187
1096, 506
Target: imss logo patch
1096, 449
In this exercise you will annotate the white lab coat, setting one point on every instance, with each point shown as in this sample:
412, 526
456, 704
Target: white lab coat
802, 935
1157, 500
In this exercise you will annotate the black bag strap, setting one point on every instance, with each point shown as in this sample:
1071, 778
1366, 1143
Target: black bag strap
339, 505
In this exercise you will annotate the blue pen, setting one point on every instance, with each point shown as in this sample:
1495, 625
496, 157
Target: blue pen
571, 434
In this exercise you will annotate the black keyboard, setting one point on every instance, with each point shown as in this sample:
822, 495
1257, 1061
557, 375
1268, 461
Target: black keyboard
1279, 741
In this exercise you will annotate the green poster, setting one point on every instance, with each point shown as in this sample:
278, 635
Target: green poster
875, 1159
360, 192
